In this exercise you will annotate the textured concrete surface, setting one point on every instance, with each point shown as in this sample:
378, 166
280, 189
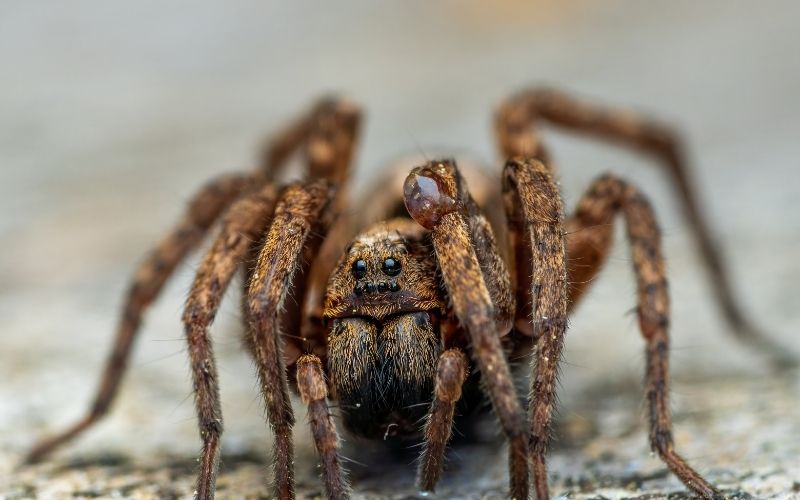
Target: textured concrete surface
111, 115
741, 432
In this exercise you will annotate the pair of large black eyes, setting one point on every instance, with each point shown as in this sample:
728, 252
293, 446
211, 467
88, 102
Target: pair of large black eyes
390, 266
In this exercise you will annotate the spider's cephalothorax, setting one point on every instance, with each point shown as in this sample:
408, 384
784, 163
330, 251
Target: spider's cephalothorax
383, 305
399, 329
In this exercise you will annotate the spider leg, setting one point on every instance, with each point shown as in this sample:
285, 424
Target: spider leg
149, 279
289, 257
204, 209
435, 200
535, 218
495, 272
514, 126
244, 222
313, 391
450, 375
292, 238
606, 197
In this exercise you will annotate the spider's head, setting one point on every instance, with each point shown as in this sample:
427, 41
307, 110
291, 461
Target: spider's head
388, 269
383, 304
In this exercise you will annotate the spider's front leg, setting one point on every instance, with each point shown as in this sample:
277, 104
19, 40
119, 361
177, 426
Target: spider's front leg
436, 197
294, 234
207, 205
244, 225
451, 373
314, 391
244, 222
302, 221
590, 238
536, 227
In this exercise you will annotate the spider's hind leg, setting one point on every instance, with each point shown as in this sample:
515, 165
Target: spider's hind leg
516, 123
590, 238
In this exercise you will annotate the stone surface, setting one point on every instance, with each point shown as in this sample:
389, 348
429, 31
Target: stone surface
742, 433
113, 114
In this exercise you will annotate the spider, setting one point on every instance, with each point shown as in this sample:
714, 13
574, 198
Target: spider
413, 320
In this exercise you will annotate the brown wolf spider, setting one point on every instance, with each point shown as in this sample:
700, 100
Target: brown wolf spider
418, 311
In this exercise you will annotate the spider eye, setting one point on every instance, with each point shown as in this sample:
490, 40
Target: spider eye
391, 267
359, 268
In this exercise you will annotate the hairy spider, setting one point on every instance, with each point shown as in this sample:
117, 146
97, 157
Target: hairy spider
418, 314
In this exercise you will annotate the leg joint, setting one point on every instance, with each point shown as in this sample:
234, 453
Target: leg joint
661, 441
450, 376
211, 427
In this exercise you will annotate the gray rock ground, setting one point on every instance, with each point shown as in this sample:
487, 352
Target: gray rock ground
111, 114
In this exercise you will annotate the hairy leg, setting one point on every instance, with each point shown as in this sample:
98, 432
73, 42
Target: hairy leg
536, 226
244, 223
204, 209
148, 281
298, 221
481, 236
290, 259
515, 127
330, 155
314, 391
493, 267
607, 197
432, 198
450, 376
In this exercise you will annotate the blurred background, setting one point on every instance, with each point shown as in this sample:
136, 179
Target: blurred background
112, 114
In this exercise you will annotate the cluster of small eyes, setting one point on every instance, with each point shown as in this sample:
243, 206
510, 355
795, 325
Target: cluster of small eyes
390, 267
